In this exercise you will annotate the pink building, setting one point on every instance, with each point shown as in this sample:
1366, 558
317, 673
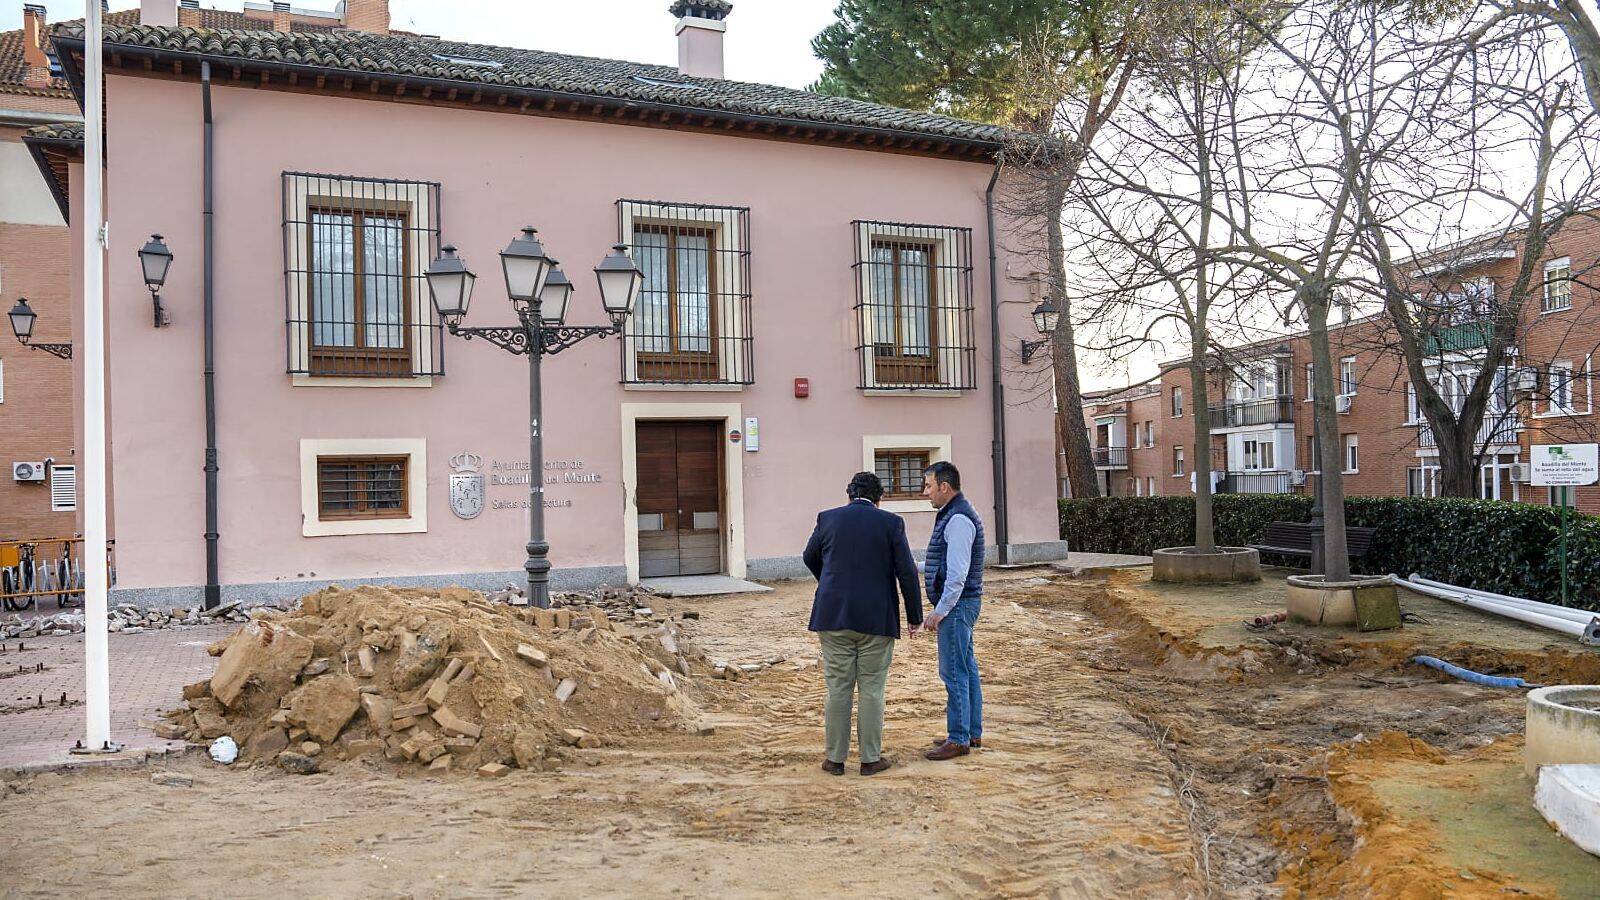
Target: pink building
817, 301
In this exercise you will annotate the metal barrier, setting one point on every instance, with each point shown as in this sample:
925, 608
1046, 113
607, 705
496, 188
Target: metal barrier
47, 567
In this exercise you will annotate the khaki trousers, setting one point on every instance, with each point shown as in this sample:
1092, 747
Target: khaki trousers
851, 661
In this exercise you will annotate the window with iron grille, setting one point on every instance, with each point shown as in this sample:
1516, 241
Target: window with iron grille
914, 306
362, 487
901, 472
691, 323
356, 300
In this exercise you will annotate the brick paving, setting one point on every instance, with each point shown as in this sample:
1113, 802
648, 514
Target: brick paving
147, 671
1077, 560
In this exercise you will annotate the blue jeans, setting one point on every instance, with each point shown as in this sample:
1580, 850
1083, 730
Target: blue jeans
958, 669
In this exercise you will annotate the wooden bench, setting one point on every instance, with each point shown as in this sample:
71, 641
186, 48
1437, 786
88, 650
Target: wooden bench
1294, 539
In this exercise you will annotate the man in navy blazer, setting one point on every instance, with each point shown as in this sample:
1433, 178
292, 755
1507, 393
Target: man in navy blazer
860, 555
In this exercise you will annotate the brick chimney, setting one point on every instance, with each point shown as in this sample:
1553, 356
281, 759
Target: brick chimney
35, 62
281, 20
189, 13
365, 15
701, 24
158, 12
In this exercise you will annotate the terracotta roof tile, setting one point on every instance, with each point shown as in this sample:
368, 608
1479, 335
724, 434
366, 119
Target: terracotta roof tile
12, 70
535, 70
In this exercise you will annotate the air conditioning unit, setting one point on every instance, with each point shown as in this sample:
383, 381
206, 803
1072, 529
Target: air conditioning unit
1342, 402
1527, 380
27, 471
1297, 477
1521, 473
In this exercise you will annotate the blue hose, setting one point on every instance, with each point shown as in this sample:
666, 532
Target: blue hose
1469, 675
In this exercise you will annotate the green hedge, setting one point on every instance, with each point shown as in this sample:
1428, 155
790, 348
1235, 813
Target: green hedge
1491, 545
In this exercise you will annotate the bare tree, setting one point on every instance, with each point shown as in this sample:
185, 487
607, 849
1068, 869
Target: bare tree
1076, 82
1433, 129
1147, 200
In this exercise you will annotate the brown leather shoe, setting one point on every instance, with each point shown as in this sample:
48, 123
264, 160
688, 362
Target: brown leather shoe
832, 768
873, 768
975, 743
946, 750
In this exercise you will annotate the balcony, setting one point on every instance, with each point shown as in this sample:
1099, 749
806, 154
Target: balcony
1110, 457
1496, 429
1266, 411
1264, 482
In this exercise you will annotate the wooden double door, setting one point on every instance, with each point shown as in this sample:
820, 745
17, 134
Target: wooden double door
679, 498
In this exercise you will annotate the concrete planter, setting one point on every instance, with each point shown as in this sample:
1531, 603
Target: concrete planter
1563, 726
1315, 600
1227, 565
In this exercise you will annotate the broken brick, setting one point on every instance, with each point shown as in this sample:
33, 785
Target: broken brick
493, 770
533, 655
454, 724
437, 692
565, 689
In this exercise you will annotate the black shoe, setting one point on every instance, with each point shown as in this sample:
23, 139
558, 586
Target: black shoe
832, 768
975, 743
873, 768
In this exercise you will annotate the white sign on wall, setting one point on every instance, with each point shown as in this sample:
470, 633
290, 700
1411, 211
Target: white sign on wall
752, 434
1565, 465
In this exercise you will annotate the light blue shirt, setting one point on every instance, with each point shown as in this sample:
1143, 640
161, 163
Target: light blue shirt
959, 533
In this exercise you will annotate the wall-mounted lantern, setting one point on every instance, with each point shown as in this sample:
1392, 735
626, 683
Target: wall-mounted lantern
155, 259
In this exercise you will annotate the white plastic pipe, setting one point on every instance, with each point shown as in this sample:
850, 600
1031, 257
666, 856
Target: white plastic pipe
96, 663
1582, 617
1565, 626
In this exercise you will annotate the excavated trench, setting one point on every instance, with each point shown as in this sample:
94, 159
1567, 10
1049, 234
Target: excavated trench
1248, 730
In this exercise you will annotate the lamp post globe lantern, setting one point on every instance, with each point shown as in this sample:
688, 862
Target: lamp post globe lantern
526, 266
155, 258
553, 299
620, 280
450, 282
1045, 316
22, 319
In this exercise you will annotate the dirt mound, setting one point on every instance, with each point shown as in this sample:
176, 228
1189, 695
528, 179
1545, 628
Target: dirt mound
1394, 855
441, 678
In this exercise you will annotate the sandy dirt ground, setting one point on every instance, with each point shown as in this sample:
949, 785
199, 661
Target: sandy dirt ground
1118, 763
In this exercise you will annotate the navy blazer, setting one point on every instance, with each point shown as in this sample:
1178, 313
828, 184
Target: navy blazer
859, 553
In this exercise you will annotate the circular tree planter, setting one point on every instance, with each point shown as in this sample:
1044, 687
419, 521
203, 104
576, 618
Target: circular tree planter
1314, 599
1225, 565
1563, 726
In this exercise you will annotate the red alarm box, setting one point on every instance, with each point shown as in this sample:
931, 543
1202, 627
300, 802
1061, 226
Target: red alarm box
802, 387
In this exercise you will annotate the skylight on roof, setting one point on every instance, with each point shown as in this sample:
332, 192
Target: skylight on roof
467, 61
657, 82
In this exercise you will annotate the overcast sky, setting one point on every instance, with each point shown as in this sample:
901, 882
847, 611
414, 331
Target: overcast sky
768, 40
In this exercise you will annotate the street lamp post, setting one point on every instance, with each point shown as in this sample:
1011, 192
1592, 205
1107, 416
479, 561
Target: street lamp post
539, 293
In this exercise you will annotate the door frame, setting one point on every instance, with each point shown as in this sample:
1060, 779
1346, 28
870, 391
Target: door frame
728, 416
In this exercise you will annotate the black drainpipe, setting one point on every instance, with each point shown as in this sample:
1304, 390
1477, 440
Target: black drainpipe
1002, 530
213, 588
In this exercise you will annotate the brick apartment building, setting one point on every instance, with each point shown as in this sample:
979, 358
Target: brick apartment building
36, 394
1262, 423
37, 398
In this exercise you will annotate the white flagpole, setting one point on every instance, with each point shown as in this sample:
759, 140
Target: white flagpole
97, 670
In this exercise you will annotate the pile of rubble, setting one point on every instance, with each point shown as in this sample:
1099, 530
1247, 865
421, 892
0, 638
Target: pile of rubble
447, 679
122, 619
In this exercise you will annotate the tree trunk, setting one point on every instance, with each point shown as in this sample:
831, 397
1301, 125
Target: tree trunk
1336, 552
1205, 540
1070, 426
1458, 477
1584, 41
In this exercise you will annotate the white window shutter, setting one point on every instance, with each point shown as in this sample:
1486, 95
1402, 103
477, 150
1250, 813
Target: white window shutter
2, 381
63, 488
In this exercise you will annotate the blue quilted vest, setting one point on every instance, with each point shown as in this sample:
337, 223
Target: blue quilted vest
933, 564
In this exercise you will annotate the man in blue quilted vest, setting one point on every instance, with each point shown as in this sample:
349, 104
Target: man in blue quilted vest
953, 574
